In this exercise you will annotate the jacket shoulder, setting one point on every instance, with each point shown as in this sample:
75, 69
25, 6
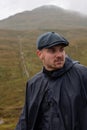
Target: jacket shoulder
36, 77
36, 83
81, 68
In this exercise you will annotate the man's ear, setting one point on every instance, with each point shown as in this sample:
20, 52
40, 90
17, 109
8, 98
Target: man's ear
39, 54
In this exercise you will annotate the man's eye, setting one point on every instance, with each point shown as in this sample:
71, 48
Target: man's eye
61, 49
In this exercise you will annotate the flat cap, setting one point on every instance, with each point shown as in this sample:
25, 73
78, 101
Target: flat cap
50, 39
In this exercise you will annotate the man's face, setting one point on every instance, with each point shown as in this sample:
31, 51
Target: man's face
53, 58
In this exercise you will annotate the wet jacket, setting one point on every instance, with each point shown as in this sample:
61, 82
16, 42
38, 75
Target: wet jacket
56, 100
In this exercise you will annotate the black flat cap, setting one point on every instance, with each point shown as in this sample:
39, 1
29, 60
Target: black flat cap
50, 39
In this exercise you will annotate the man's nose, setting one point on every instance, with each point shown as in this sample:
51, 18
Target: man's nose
58, 54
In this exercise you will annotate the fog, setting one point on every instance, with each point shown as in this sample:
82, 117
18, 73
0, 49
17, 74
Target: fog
11, 7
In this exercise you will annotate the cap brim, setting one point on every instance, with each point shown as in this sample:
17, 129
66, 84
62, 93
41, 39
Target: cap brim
56, 43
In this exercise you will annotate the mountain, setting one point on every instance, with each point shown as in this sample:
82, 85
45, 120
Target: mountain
44, 17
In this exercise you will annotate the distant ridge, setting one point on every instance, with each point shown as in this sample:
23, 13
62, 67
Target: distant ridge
44, 17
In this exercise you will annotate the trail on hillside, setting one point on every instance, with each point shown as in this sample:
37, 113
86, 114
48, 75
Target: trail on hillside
22, 59
1, 121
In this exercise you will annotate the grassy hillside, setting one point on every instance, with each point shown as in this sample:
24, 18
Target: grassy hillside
18, 63
44, 17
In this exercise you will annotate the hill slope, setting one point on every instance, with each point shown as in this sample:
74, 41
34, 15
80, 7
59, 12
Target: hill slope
44, 17
14, 45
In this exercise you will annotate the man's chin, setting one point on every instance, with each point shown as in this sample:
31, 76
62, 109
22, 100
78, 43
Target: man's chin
59, 66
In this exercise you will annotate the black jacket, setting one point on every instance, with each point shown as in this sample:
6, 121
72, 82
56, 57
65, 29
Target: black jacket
56, 100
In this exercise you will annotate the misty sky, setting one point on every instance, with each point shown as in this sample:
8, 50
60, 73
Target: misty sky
11, 7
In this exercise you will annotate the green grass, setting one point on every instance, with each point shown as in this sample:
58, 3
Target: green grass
12, 74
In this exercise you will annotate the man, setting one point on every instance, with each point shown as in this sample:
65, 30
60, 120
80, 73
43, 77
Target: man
56, 97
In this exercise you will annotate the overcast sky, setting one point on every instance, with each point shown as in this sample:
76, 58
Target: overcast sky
11, 7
